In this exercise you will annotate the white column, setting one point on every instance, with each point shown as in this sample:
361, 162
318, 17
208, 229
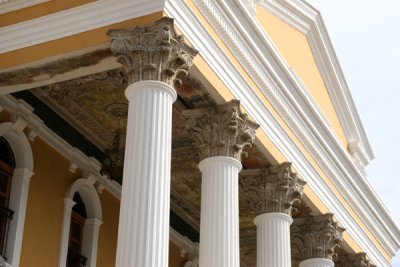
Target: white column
273, 239
154, 58
143, 236
219, 228
271, 193
222, 135
317, 262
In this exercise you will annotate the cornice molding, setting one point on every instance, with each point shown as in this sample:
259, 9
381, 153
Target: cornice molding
308, 20
336, 163
73, 21
13, 5
74, 155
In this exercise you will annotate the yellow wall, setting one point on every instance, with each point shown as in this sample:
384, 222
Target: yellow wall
108, 231
39, 10
69, 44
296, 50
44, 214
175, 259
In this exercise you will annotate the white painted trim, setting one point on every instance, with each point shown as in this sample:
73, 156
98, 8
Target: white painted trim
308, 20
13, 5
74, 155
68, 204
199, 37
13, 133
85, 188
73, 21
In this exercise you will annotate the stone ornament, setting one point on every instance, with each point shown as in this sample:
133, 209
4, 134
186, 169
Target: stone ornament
221, 131
153, 52
354, 260
273, 189
315, 237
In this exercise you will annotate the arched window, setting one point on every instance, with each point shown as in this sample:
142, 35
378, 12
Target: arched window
7, 165
82, 220
16, 152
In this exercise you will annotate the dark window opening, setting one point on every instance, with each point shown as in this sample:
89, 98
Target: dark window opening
7, 165
78, 216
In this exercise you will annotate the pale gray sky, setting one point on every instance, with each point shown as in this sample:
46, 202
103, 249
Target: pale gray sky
366, 37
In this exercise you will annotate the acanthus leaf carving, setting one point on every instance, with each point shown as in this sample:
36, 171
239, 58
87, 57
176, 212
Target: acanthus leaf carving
273, 189
353, 260
221, 131
315, 237
153, 52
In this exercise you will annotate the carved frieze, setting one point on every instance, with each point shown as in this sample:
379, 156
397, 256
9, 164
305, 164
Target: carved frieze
315, 237
221, 131
153, 52
273, 189
353, 260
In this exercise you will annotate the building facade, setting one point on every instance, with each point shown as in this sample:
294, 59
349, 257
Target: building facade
181, 133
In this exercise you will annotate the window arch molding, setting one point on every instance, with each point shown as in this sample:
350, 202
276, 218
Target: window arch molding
91, 228
16, 138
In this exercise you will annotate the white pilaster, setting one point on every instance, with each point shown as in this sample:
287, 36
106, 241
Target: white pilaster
143, 235
273, 239
90, 240
219, 227
317, 262
68, 204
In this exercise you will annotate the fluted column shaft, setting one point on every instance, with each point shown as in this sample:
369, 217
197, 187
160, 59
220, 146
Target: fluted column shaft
317, 262
143, 236
219, 227
273, 239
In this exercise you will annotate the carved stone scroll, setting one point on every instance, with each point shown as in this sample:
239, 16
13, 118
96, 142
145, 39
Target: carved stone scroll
353, 260
273, 189
315, 237
153, 52
221, 131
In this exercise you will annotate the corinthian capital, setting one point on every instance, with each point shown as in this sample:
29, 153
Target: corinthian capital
353, 260
315, 237
153, 52
273, 189
221, 131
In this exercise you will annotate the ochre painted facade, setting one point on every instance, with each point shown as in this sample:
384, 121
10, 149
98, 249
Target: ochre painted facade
68, 44
40, 10
296, 50
44, 213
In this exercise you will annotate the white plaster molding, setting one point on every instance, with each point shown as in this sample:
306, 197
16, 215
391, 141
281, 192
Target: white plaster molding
32, 135
68, 204
73, 21
13, 5
212, 53
308, 20
88, 164
187, 246
19, 187
91, 228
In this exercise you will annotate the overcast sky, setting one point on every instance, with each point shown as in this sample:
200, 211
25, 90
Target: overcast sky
366, 37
